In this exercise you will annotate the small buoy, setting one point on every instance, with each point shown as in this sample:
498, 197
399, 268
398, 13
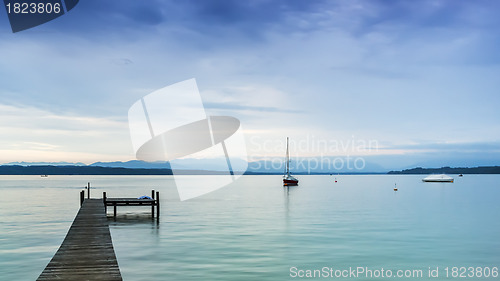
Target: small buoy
335, 179
395, 188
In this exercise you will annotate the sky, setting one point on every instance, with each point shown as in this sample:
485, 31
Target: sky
399, 83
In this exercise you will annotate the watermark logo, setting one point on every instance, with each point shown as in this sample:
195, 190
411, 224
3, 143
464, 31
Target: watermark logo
311, 154
171, 124
25, 14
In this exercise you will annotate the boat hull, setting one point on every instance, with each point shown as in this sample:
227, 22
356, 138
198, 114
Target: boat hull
290, 182
437, 180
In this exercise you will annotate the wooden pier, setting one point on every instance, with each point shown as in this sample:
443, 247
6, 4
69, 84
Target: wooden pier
153, 202
87, 251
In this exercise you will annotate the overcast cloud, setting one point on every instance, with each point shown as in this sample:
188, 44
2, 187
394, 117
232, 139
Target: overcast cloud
405, 73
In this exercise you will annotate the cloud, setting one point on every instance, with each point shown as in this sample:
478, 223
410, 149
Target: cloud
251, 99
121, 61
38, 146
399, 72
243, 108
32, 134
446, 147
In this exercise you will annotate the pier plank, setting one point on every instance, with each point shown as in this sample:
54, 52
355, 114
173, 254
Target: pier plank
87, 251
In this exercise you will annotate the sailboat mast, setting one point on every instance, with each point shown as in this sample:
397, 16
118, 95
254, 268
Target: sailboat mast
287, 158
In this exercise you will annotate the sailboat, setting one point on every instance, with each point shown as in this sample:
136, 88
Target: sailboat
288, 179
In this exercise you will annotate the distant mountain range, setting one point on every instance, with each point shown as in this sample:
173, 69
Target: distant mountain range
184, 164
133, 164
206, 167
77, 170
449, 170
133, 167
45, 163
298, 166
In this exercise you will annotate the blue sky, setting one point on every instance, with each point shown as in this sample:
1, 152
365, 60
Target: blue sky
418, 77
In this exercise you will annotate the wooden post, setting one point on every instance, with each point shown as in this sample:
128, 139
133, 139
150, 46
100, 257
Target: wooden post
82, 197
114, 210
104, 201
153, 205
88, 190
157, 205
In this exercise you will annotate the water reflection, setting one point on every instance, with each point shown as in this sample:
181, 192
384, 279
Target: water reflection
287, 194
129, 219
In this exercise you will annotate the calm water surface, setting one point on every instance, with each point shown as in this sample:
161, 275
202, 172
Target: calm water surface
255, 229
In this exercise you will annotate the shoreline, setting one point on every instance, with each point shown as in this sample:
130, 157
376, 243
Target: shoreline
99, 170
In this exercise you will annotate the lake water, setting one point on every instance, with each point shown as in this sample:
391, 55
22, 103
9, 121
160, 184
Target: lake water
255, 229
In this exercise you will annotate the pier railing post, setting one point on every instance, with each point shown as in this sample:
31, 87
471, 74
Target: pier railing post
157, 205
82, 197
104, 202
153, 205
88, 190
